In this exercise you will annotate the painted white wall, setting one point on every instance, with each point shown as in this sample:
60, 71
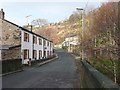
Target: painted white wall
38, 47
51, 47
45, 48
29, 45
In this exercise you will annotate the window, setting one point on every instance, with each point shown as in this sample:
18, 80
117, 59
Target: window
44, 42
35, 54
34, 40
40, 41
44, 54
48, 43
26, 37
26, 54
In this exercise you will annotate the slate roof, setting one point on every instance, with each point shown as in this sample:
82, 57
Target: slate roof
4, 47
26, 30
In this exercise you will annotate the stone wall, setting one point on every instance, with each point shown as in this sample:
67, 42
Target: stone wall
91, 78
11, 65
10, 34
12, 53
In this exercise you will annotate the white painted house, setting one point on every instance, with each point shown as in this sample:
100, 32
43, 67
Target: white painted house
35, 47
71, 42
32, 45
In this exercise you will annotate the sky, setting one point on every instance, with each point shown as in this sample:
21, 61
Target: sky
53, 11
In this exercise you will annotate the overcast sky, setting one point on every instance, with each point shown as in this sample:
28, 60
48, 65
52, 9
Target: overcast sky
53, 11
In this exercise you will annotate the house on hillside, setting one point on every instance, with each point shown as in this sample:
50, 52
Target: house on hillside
22, 43
71, 42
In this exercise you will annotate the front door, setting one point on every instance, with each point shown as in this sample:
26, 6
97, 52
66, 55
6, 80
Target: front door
44, 54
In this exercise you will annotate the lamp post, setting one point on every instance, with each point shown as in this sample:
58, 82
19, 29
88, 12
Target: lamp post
27, 18
80, 9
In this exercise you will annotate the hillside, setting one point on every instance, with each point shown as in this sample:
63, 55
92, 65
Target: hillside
58, 31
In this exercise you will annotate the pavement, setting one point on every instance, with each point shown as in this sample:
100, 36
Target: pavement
76, 57
60, 73
37, 65
41, 63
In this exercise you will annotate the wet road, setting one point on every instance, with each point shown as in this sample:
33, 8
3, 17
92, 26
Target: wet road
60, 73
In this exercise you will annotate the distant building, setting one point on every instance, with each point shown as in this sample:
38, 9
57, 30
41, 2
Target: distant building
22, 43
71, 42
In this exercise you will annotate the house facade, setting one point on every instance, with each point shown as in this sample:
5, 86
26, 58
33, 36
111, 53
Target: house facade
32, 46
35, 47
71, 42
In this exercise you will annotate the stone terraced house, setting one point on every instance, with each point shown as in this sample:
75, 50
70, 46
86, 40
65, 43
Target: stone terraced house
18, 42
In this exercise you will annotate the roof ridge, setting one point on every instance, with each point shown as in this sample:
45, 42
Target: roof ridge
27, 30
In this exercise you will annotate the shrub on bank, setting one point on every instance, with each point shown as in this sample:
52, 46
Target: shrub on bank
109, 67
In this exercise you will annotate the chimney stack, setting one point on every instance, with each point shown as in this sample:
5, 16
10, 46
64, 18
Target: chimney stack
2, 14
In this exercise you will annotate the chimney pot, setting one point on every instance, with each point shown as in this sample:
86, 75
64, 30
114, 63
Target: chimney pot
2, 14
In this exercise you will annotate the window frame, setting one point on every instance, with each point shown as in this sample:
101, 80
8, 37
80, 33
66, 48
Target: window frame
26, 37
26, 53
34, 39
40, 41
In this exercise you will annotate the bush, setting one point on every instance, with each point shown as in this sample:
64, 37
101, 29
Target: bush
106, 66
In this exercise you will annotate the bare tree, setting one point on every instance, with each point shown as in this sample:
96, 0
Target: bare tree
39, 22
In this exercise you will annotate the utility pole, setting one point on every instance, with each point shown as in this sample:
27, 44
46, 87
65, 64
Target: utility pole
82, 51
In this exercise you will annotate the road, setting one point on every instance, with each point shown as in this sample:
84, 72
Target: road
60, 73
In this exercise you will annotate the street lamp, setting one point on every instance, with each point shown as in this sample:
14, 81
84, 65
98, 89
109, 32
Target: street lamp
81, 9
27, 18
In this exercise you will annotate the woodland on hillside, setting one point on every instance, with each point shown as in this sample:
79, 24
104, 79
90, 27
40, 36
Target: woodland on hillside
101, 41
